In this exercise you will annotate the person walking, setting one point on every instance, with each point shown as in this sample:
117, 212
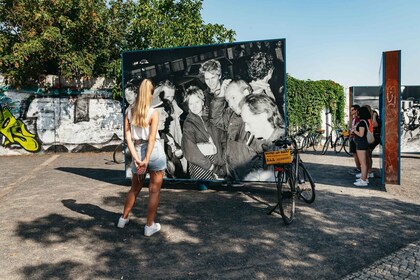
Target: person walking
141, 134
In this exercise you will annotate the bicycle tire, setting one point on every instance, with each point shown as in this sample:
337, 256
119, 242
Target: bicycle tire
306, 143
339, 144
118, 155
317, 141
305, 184
326, 144
347, 146
286, 196
300, 140
312, 142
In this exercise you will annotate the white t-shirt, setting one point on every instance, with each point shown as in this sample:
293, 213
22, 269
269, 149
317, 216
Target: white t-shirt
141, 133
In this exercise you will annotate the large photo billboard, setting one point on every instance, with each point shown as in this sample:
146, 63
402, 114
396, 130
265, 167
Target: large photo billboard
220, 106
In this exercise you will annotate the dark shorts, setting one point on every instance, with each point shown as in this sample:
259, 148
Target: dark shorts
352, 146
362, 144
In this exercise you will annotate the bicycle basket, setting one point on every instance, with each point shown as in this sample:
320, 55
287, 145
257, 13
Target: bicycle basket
278, 157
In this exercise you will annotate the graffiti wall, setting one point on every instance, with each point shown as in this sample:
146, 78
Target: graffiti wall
40, 123
220, 106
391, 129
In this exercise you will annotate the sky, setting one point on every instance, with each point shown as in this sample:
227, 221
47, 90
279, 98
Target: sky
338, 40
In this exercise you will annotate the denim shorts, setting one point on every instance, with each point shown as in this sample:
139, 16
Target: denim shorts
157, 160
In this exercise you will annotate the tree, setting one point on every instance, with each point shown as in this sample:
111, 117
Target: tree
85, 38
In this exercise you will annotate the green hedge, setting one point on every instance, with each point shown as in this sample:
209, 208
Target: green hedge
307, 99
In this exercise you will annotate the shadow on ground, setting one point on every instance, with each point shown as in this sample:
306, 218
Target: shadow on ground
101, 174
215, 234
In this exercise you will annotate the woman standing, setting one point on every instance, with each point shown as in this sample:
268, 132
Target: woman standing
362, 145
141, 132
201, 141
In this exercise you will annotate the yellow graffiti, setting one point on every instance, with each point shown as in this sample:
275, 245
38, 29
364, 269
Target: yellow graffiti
16, 132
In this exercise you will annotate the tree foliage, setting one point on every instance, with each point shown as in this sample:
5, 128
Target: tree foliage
85, 38
307, 99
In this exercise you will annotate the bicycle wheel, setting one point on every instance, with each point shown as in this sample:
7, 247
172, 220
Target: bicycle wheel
347, 146
326, 144
300, 141
305, 144
305, 185
316, 141
286, 196
118, 155
338, 145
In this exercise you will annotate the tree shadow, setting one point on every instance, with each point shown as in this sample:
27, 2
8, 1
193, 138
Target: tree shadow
215, 234
60, 271
338, 175
105, 175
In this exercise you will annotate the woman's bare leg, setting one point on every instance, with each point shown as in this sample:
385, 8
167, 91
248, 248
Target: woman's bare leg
369, 160
137, 183
362, 155
356, 160
156, 179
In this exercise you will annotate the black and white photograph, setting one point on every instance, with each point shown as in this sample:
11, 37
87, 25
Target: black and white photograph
368, 95
410, 119
220, 106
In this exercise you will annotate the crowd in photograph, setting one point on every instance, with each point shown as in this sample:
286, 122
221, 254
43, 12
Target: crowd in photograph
219, 132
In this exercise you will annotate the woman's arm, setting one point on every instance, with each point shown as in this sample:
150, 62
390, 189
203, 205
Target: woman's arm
130, 144
189, 147
360, 132
154, 122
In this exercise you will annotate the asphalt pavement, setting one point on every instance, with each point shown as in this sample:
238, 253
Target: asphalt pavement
59, 213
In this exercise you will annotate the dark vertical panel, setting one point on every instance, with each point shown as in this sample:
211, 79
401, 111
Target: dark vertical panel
391, 117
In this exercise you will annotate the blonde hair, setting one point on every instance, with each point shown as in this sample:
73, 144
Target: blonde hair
142, 104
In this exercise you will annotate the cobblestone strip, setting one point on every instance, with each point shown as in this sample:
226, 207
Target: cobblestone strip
403, 264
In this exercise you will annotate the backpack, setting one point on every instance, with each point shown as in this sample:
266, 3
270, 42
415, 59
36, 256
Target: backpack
369, 135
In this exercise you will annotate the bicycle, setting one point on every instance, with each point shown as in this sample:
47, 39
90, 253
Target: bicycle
342, 142
120, 151
329, 140
300, 137
293, 180
313, 139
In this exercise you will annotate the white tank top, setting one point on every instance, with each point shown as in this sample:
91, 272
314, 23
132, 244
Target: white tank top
141, 133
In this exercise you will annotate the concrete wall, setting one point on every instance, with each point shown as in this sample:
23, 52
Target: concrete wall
31, 123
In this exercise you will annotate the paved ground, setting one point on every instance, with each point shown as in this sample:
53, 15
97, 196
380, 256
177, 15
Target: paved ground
59, 213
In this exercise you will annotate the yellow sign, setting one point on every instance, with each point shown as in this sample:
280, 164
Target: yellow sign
278, 157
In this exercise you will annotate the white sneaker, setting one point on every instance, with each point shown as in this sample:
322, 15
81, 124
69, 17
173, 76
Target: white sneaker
122, 222
361, 183
149, 231
370, 175
367, 180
